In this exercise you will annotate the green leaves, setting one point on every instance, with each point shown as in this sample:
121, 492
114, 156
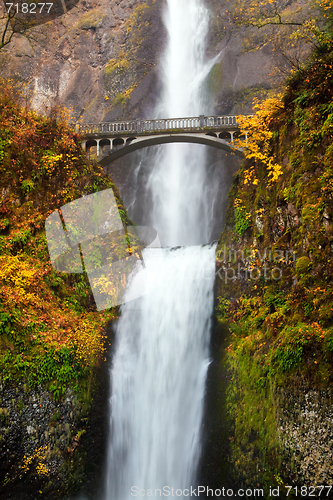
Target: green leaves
58, 366
27, 186
288, 356
4, 322
3, 144
242, 220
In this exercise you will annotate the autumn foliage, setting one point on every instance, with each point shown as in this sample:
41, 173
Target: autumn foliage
258, 144
50, 331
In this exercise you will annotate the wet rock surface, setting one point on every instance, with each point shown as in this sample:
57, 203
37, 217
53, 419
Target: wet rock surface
306, 434
55, 449
37, 436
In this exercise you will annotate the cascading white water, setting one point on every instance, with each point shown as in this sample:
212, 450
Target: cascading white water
159, 373
178, 184
162, 352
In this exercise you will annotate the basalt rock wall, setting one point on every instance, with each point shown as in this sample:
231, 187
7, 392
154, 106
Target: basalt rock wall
101, 60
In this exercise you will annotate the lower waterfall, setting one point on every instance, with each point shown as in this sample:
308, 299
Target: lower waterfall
158, 375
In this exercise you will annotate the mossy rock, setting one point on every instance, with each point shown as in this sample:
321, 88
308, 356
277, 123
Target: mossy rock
302, 265
215, 79
121, 64
91, 20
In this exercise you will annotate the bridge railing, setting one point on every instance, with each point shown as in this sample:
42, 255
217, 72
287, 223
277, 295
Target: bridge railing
112, 127
157, 126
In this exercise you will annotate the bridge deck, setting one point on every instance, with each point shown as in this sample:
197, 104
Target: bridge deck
113, 140
159, 126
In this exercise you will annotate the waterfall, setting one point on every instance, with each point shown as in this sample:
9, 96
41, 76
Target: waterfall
179, 188
162, 341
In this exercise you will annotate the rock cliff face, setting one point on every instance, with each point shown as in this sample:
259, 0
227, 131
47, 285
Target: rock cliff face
101, 59
92, 58
35, 426
306, 433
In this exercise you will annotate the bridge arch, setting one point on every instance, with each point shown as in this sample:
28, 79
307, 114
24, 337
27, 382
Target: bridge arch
105, 146
125, 148
130, 139
225, 135
119, 141
90, 144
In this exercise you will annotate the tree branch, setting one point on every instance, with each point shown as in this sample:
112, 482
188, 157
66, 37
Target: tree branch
12, 25
5, 31
272, 23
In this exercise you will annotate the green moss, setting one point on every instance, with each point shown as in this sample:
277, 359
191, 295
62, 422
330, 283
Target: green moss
242, 220
137, 18
91, 20
282, 328
120, 65
118, 100
215, 79
302, 265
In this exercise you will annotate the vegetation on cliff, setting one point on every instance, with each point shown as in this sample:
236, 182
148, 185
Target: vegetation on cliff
124, 73
276, 287
51, 335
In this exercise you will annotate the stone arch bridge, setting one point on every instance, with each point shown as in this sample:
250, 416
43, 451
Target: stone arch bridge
109, 141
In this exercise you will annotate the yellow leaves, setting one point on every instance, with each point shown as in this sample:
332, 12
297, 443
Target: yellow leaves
239, 205
39, 454
249, 177
22, 285
257, 145
49, 161
275, 170
325, 4
128, 92
87, 339
16, 272
42, 469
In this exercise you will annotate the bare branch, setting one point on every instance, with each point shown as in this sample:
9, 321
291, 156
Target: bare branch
272, 23
11, 25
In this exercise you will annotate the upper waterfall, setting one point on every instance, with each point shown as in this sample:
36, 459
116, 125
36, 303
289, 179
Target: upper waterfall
181, 213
